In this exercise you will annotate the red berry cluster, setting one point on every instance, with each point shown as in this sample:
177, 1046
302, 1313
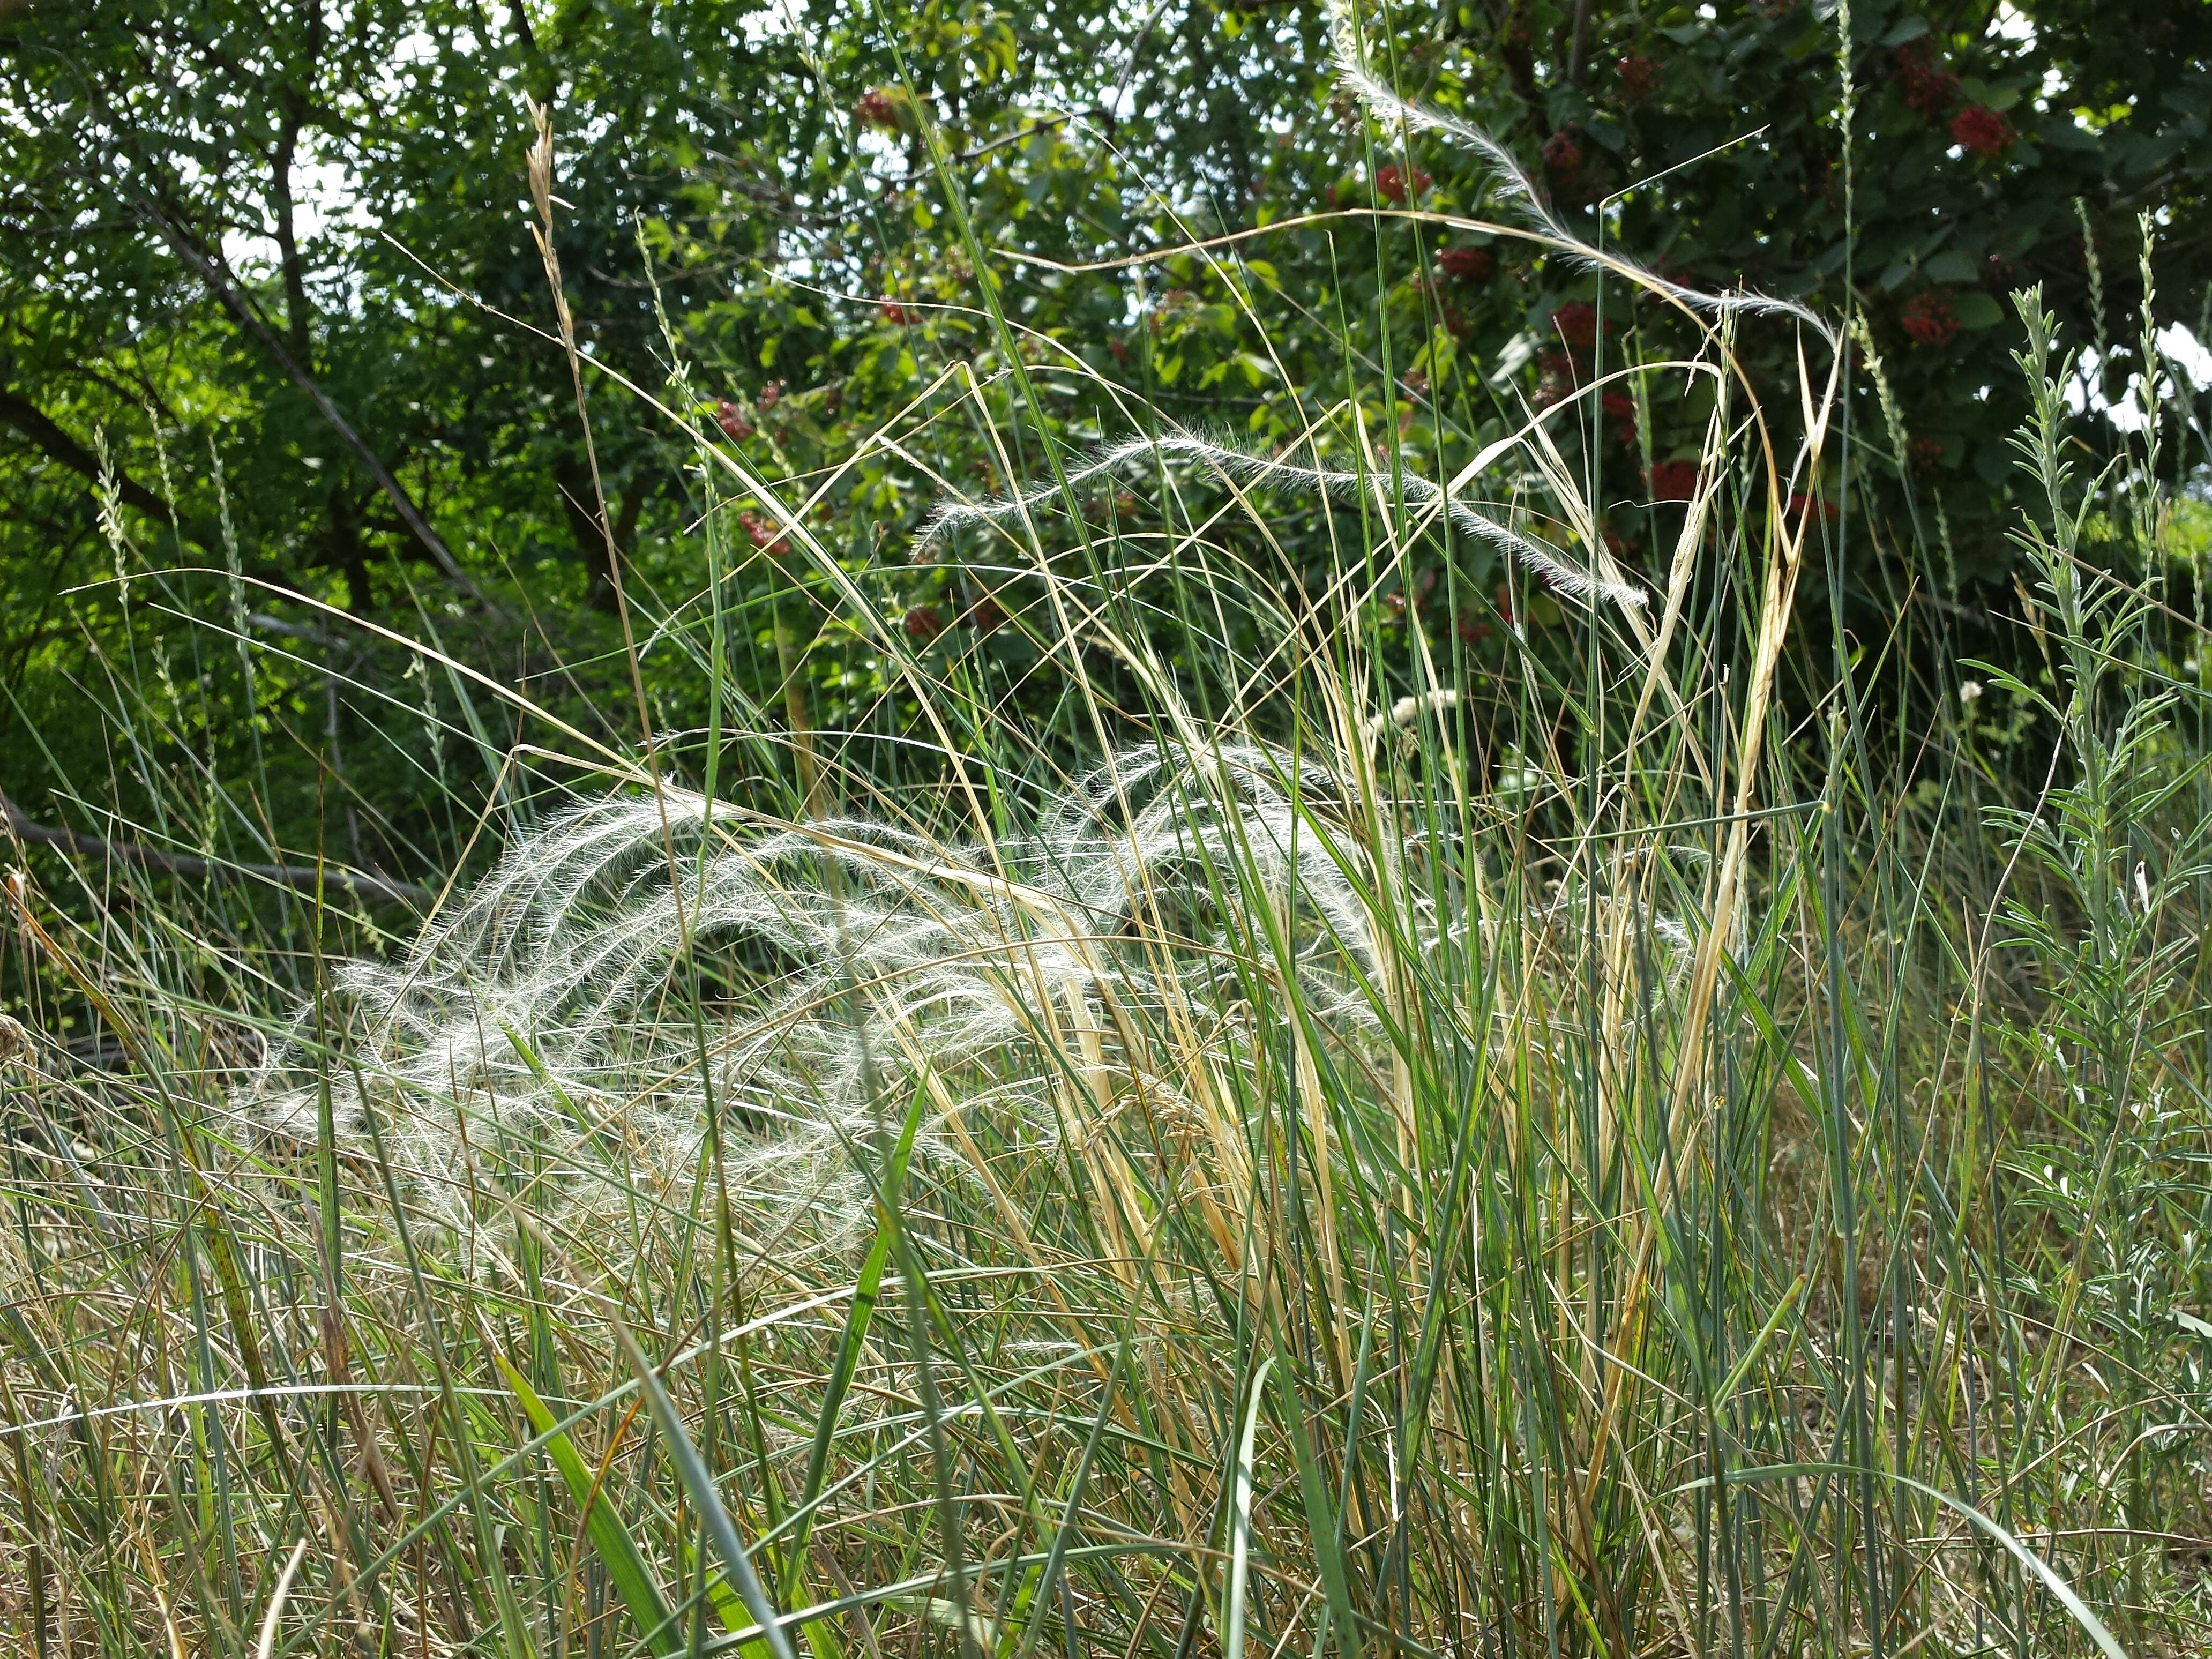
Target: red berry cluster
893, 312
1982, 131
1464, 264
1393, 182
731, 419
1620, 409
1575, 323
1924, 454
1555, 378
1928, 319
923, 623
1673, 481
1637, 77
1562, 150
876, 109
1929, 87
765, 536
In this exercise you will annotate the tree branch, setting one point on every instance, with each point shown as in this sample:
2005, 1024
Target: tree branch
304, 878
33, 424
1580, 46
219, 285
287, 241
591, 540
294, 104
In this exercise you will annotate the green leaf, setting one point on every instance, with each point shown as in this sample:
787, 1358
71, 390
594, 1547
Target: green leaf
866, 1294
1313, 1493
1977, 310
2062, 131
625, 1564
1240, 1520
699, 1482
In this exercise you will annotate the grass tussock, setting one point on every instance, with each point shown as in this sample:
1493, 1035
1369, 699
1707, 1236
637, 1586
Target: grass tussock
1309, 1144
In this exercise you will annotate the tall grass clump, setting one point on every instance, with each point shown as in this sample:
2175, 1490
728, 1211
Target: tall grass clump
1266, 1136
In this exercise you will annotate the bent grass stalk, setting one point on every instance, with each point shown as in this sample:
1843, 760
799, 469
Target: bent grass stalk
1383, 1160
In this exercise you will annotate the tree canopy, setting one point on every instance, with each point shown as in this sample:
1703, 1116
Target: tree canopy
272, 298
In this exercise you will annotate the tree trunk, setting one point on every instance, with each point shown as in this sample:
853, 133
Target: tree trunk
56, 445
576, 495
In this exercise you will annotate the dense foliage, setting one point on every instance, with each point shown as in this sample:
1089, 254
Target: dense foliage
269, 272
792, 851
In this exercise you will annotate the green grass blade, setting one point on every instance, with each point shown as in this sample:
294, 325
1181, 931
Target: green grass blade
699, 1482
866, 1291
625, 1563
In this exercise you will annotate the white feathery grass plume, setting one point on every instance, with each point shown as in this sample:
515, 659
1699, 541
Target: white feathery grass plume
1403, 713
1541, 558
538, 1040
1527, 198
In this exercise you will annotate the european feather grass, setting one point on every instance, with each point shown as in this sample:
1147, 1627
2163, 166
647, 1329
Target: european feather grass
528, 1037
1390, 1159
1542, 560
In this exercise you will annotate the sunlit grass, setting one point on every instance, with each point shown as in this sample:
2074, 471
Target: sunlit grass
1265, 1132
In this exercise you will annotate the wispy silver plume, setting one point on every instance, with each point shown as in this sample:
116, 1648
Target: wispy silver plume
1541, 558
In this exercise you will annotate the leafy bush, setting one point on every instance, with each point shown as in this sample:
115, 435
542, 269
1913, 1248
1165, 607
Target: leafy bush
1204, 1037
